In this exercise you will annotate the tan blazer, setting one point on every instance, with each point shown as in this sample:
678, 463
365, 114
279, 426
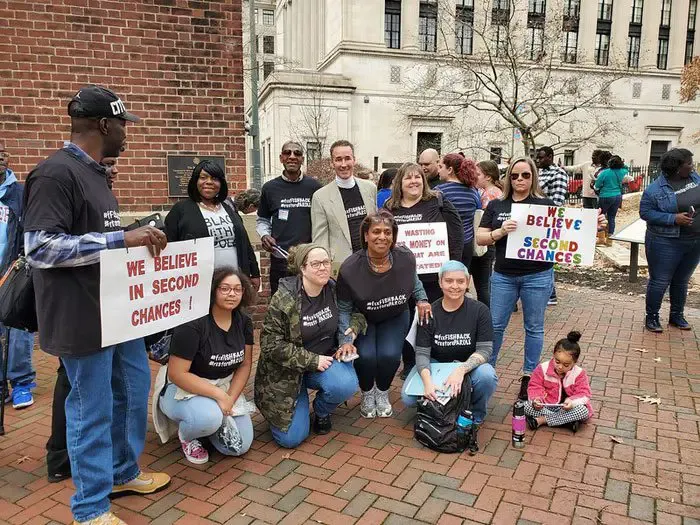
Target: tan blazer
329, 224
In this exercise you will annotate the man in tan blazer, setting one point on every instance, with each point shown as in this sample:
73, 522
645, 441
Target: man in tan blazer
338, 209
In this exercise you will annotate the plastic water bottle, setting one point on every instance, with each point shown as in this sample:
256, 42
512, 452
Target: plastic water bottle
519, 424
464, 428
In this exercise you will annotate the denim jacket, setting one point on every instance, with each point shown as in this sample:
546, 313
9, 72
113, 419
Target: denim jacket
659, 207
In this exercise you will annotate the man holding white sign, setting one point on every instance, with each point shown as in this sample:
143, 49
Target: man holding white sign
71, 216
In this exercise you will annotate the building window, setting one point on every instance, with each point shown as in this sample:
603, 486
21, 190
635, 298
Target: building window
425, 140
636, 90
464, 29
571, 8
692, 14
666, 92
499, 37
535, 42
392, 24
502, 5
496, 154
662, 57
256, 18
605, 8
262, 159
568, 157
665, 13
568, 47
268, 68
269, 45
637, 10
602, 46
313, 150
536, 7
633, 46
268, 17
688, 52
427, 26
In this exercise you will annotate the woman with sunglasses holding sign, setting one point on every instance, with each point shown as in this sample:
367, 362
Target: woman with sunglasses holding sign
529, 281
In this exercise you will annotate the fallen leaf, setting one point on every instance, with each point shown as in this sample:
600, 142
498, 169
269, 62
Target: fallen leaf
23, 459
649, 399
642, 350
617, 440
657, 359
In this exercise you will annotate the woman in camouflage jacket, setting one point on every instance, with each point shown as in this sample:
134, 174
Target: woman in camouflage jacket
299, 350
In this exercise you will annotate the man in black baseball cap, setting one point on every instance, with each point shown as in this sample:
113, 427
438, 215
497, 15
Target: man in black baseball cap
71, 215
98, 102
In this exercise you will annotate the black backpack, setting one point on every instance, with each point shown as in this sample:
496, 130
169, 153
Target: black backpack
436, 424
17, 303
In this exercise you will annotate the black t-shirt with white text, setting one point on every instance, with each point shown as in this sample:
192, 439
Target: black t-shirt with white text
319, 322
355, 211
68, 195
378, 296
452, 336
497, 212
288, 205
214, 353
422, 211
688, 194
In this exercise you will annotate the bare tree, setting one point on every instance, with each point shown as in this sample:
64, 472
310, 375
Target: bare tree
502, 70
311, 122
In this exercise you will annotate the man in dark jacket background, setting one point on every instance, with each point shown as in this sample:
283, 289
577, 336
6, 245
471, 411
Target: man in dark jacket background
19, 363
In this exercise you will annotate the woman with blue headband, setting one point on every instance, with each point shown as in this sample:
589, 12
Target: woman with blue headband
460, 330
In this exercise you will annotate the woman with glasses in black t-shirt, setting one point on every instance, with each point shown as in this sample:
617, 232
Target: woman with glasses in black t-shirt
378, 281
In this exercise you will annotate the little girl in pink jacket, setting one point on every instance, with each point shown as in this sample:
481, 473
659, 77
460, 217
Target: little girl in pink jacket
559, 392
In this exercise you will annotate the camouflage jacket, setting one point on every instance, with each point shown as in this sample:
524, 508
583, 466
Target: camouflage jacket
283, 358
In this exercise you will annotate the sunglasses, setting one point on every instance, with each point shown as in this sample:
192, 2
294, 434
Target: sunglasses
296, 152
524, 176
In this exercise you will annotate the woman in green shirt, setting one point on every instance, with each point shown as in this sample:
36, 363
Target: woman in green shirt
609, 188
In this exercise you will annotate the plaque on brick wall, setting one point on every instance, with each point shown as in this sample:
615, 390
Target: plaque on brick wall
180, 170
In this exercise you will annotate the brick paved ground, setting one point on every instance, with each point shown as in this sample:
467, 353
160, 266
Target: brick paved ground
373, 472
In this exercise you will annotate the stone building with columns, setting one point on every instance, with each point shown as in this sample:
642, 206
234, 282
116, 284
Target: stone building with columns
349, 69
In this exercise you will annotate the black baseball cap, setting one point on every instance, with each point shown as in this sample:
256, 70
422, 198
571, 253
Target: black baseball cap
98, 101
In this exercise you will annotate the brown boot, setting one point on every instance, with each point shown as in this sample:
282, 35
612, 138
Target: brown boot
601, 240
608, 240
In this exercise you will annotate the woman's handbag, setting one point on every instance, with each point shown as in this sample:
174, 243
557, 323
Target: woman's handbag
17, 302
478, 250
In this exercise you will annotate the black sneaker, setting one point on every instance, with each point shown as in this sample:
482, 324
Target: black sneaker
652, 323
524, 381
532, 423
57, 477
574, 426
322, 425
678, 320
473, 444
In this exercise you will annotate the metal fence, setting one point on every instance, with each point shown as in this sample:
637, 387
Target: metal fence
642, 176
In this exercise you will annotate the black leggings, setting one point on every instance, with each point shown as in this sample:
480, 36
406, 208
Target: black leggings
57, 461
480, 269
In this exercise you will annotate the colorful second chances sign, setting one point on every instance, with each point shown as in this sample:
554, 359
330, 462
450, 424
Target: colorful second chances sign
141, 294
428, 242
551, 234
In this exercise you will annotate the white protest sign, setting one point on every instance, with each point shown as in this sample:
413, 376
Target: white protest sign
552, 234
141, 294
428, 242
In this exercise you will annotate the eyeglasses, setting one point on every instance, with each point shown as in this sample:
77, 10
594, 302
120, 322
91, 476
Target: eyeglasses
316, 265
228, 290
524, 176
295, 152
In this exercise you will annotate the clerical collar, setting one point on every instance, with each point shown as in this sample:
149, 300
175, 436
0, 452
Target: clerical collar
345, 183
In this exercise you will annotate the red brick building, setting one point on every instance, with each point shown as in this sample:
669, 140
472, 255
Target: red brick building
176, 63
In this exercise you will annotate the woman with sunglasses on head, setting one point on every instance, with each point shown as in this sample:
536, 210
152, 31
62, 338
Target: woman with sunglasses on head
299, 349
209, 366
206, 213
378, 281
529, 281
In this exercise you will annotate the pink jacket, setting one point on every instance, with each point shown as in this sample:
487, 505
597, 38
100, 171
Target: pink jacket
545, 384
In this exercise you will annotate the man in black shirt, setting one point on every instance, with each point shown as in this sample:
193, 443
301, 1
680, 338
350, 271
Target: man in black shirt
428, 160
284, 213
71, 215
338, 209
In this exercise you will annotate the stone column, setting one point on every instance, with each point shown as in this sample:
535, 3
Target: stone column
410, 10
619, 39
651, 18
678, 34
588, 21
446, 26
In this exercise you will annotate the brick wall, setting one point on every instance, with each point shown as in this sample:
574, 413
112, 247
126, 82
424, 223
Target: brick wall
176, 63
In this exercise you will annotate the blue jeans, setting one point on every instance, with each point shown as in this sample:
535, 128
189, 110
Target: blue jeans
672, 262
19, 360
533, 290
380, 352
609, 206
201, 416
484, 383
335, 386
106, 420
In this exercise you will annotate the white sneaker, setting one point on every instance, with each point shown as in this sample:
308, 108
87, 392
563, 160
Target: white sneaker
382, 402
368, 407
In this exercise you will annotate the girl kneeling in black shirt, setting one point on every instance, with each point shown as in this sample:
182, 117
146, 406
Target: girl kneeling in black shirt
209, 366
460, 330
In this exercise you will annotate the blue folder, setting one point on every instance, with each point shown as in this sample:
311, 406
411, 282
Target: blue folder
413, 385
